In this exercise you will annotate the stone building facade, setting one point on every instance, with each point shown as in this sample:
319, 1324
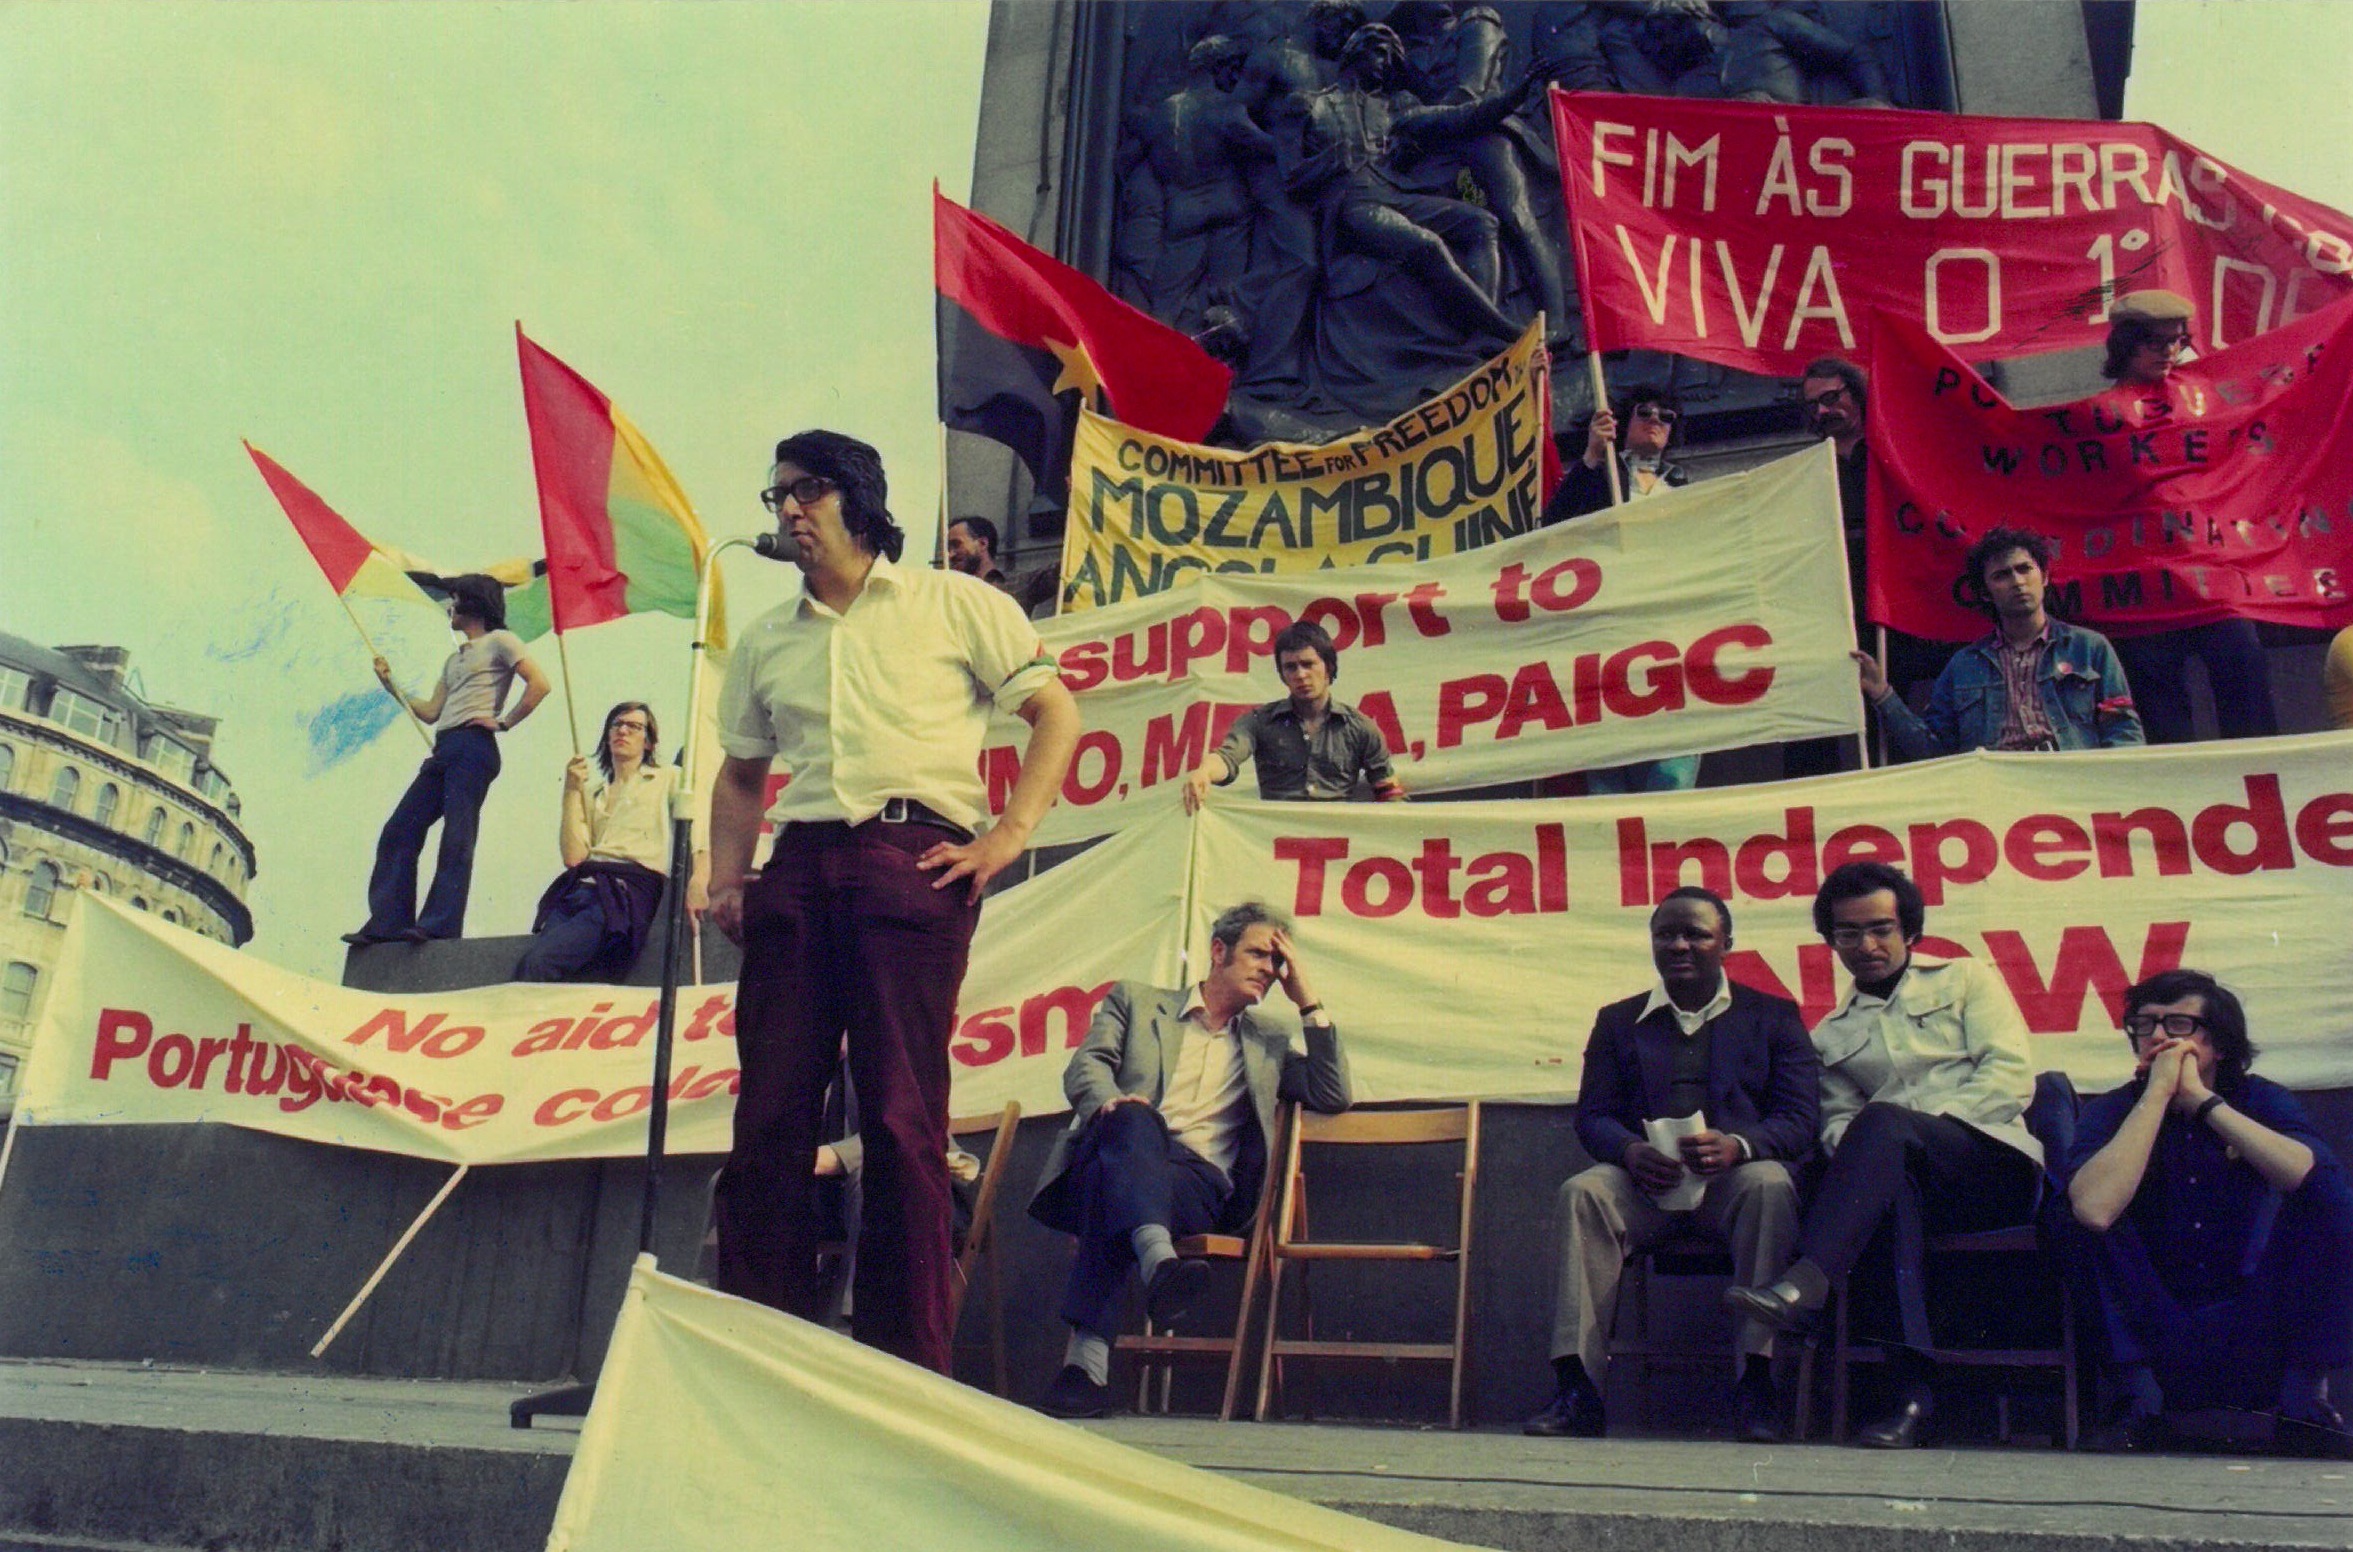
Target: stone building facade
102, 790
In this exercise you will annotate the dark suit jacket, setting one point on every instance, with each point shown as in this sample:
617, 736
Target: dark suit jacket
1763, 1076
1584, 490
1130, 1049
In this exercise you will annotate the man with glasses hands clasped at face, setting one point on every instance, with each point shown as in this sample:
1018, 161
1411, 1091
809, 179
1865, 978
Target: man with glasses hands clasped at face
874, 688
2220, 1265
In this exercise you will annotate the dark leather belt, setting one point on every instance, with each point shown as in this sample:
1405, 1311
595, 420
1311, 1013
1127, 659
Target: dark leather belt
909, 811
895, 811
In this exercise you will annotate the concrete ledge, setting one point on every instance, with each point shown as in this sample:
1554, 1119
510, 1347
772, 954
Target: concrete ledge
105, 1458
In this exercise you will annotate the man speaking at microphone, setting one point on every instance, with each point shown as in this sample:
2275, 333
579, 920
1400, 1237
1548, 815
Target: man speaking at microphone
874, 689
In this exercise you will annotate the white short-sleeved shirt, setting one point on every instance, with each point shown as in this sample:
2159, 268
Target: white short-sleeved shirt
629, 821
890, 698
475, 680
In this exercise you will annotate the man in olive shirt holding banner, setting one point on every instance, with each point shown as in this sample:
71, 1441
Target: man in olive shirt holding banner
1308, 747
874, 688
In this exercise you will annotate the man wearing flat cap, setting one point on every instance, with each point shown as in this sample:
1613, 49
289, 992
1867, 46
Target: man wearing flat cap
2149, 333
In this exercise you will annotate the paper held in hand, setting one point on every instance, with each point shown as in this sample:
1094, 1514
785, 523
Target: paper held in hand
1666, 1134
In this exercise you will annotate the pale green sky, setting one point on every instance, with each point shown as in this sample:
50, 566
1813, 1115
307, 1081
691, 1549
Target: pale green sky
315, 225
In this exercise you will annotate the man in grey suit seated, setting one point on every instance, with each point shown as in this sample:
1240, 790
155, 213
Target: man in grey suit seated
1173, 1098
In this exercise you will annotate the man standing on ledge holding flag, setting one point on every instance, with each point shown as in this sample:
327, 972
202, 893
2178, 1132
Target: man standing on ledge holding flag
874, 688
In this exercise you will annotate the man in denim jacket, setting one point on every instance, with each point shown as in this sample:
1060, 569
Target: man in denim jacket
2078, 700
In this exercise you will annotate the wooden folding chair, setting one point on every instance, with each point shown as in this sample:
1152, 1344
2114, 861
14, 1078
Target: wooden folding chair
980, 1241
1158, 1352
1289, 1242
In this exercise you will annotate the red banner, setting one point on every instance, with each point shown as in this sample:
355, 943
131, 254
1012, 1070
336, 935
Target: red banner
1760, 236
2225, 491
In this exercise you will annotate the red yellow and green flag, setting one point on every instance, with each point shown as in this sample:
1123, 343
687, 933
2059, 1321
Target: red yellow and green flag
621, 536
355, 566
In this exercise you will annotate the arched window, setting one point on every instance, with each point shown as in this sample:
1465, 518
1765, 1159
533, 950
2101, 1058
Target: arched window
41, 893
7, 766
16, 990
138, 902
110, 797
67, 791
187, 841
214, 866
154, 835
171, 915
101, 884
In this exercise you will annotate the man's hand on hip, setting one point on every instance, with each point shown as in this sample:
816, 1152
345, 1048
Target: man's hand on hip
980, 859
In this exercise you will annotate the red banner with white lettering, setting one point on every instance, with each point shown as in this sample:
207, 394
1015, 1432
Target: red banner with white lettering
2224, 492
1760, 236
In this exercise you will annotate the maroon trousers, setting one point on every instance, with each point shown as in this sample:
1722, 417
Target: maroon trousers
844, 936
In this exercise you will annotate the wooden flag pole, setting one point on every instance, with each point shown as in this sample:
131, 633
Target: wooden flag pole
390, 1256
1862, 742
406, 709
571, 709
1601, 401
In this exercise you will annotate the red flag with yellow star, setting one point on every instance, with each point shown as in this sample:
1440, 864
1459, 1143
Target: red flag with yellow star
1023, 337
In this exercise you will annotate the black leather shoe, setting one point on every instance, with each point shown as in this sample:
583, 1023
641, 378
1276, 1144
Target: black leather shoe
2315, 1435
416, 935
364, 939
1073, 1395
1756, 1409
1907, 1427
1782, 1314
1573, 1413
1175, 1289
2131, 1433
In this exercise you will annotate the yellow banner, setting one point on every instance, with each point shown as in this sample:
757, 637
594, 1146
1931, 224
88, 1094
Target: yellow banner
1460, 471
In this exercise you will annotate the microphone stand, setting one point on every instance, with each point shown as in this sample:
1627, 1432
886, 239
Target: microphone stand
573, 1400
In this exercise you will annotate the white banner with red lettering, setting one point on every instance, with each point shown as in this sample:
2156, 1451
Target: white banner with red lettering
1699, 619
1463, 948
150, 1023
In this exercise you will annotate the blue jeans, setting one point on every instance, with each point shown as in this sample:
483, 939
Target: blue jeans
1677, 773
2235, 666
450, 787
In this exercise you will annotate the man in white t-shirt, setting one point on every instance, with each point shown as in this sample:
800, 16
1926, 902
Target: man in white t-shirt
450, 786
874, 689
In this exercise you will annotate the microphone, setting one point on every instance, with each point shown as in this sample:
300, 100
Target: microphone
771, 546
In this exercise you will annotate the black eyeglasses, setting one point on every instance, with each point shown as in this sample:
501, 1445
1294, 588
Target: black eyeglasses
1664, 417
1825, 400
2179, 1025
804, 491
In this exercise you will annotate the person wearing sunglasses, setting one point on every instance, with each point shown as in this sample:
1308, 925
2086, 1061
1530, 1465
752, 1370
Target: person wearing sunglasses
1638, 437
874, 689
614, 837
2149, 335
1639, 441
2220, 1268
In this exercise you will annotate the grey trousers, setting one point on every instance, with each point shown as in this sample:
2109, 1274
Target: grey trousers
1603, 1217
